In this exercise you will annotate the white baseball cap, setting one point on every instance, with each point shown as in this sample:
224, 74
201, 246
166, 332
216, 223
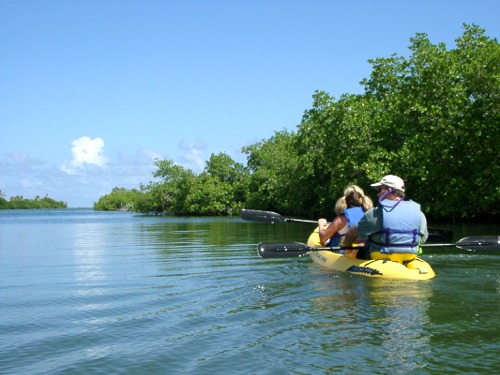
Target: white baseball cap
391, 181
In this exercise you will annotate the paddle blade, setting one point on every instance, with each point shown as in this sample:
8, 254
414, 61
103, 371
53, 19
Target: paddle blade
282, 249
479, 243
263, 216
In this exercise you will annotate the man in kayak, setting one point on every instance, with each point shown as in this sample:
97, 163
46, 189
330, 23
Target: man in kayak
392, 230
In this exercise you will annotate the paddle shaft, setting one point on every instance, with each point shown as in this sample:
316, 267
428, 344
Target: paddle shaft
297, 249
273, 217
270, 217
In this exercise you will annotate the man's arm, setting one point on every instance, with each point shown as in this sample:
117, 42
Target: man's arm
423, 228
351, 236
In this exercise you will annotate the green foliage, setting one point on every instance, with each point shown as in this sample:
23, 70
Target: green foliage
334, 140
18, 202
445, 110
432, 118
273, 168
118, 199
219, 190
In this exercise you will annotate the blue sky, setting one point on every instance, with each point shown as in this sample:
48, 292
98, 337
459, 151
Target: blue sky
93, 91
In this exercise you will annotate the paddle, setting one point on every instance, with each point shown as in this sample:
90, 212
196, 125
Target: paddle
297, 249
273, 217
269, 217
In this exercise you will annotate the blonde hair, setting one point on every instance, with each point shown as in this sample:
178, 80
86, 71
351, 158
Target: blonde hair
354, 196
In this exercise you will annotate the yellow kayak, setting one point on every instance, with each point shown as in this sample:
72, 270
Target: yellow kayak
417, 269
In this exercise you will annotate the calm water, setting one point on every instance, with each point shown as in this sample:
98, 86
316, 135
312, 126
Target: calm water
86, 292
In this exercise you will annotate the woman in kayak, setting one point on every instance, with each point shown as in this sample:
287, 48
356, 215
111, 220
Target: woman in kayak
348, 210
394, 229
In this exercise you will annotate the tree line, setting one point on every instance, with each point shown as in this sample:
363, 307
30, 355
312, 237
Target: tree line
432, 118
19, 202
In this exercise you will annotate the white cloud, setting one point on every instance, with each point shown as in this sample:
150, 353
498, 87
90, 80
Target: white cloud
151, 155
86, 152
141, 158
80, 181
31, 183
19, 162
22, 158
192, 157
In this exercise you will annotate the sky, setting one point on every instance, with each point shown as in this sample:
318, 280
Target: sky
92, 92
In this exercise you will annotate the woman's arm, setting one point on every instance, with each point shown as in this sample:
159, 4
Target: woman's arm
326, 233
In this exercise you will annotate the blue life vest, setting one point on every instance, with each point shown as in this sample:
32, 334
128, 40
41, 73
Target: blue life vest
401, 233
353, 215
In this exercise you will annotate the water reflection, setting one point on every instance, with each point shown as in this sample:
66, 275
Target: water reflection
92, 290
388, 319
403, 306
88, 254
218, 232
112, 292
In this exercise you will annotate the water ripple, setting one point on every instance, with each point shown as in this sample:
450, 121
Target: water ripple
96, 294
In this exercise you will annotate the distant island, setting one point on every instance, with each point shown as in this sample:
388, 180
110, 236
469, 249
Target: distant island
18, 202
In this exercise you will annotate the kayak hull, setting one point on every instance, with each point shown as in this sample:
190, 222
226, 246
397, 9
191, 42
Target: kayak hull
381, 268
